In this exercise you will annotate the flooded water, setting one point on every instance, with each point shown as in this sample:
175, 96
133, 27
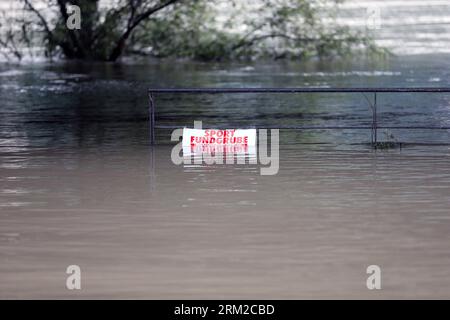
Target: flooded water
79, 184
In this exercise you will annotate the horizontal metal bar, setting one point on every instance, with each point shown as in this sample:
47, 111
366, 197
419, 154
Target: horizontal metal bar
295, 90
316, 127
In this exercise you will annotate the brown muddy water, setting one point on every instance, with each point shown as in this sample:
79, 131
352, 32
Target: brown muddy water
79, 185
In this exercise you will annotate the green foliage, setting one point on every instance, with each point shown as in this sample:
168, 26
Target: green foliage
185, 32
275, 29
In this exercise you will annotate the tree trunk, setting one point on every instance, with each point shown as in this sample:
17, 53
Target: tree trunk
119, 47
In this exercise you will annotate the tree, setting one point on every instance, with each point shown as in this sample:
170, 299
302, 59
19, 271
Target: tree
272, 28
189, 28
103, 34
13, 41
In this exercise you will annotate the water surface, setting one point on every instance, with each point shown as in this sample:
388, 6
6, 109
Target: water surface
79, 184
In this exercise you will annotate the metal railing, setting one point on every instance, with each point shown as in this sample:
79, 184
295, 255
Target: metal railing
374, 126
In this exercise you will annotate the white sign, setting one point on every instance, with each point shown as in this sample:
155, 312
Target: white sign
215, 146
217, 137
212, 141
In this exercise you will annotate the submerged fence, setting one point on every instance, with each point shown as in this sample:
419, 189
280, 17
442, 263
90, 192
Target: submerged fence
373, 104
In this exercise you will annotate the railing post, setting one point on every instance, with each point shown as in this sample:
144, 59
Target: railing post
151, 115
374, 121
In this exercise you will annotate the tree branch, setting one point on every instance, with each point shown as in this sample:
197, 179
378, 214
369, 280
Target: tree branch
111, 15
149, 12
118, 49
41, 18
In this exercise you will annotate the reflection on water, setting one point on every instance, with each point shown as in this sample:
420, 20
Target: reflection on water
139, 226
79, 185
73, 105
